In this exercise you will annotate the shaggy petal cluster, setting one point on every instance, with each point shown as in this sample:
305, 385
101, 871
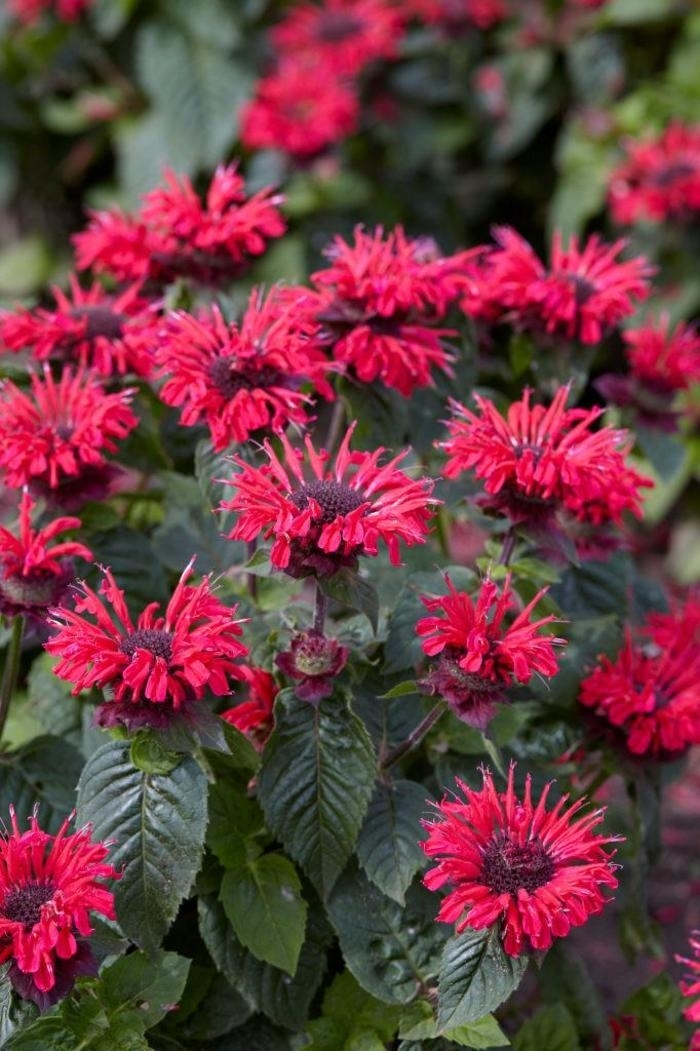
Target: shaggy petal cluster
158, 664
241, 378
30, 11
254, 715
662, 357
582, 295
659, 179
479, 655
35, 571
60, 431
345, 34
177, 234
289, 113
540, 459
380, 300
690, 987
313, 661
49, 885
651, 691
512, 864
323, 516
451, 14
113, 334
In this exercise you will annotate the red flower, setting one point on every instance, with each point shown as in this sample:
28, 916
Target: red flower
535, 874
323, 523
663, 358
30, 11
254, 716
48, 887
537, 461
651, 692
176, 234
691, 986
33, 574
313, 661
582, 296
241, 378
155, 667
659, 179
289, 113
479, 658
110, 333
345, 34
452, 14
56, 436
379, 301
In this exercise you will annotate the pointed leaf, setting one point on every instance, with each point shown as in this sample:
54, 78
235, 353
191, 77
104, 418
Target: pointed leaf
476, 976
389, 844
43, 771
552, 1028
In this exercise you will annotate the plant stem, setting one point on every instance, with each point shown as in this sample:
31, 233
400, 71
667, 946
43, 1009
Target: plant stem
320, 610
415, 737
335, 425
11, 669
508, 546
251, 579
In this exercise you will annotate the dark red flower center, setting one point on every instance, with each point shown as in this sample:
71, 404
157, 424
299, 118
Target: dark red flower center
159, 643
671, 173
229, 380
101, 321
22, 903
334, 498
583, 288
509, 867
336, 26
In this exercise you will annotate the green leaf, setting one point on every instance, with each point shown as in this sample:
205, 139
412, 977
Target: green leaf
392, 951
552, 1028
235, 823
263, 901
43, 771
564, 979
665, 452
350, 589
388, 847
475, 978
315, 783
352, 1020
484, 1033
218, 1009
157, 822
130, 556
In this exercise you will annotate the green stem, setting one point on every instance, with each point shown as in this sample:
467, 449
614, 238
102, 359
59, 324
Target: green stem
11, 669
508, 547
251, 579
415, 737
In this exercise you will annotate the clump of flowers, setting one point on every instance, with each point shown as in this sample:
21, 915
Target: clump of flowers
322, 517
242, 378
54, 438
49, 885
690, 987
155, 667
90, 327
531, 873
30, 11
34, 571
176, 234
253, 716
651, 692
659, 180
584, 293
313, 661
479, 656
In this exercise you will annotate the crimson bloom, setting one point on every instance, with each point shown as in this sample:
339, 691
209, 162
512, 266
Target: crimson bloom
110, 333
30, 11
241, 378
690, 987
48, 887
659, 179
479, 657
289, 113
313, 661
537, 462
323, 522
651, 692
532, 873
54, 438
35, 572
583, 294
254, 715
152, 668
177, 234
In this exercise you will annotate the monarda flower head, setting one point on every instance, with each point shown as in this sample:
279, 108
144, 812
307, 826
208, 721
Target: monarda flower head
242, 378
54, 438
650, 694
113, 334
479, 656
322, 517
49, 885
253, 716
313, 661
35, 572
582, 296
659, 180
690, 987
540, 464
531, 873
30, 11
156, 667
176, 234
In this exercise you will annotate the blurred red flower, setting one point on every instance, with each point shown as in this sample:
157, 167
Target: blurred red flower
254, 715
535, 874
659, 179
30, 11
690, 987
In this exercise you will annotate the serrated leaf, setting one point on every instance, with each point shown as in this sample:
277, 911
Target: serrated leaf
157, 822
315, 784
484, 1033
391, 951
43, 771
552, 1028
354, 591
263, 901
235, 822
476, 976
388, 846
130, 556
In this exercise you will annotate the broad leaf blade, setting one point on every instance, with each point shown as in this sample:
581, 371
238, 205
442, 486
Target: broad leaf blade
476, 976
389, 844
